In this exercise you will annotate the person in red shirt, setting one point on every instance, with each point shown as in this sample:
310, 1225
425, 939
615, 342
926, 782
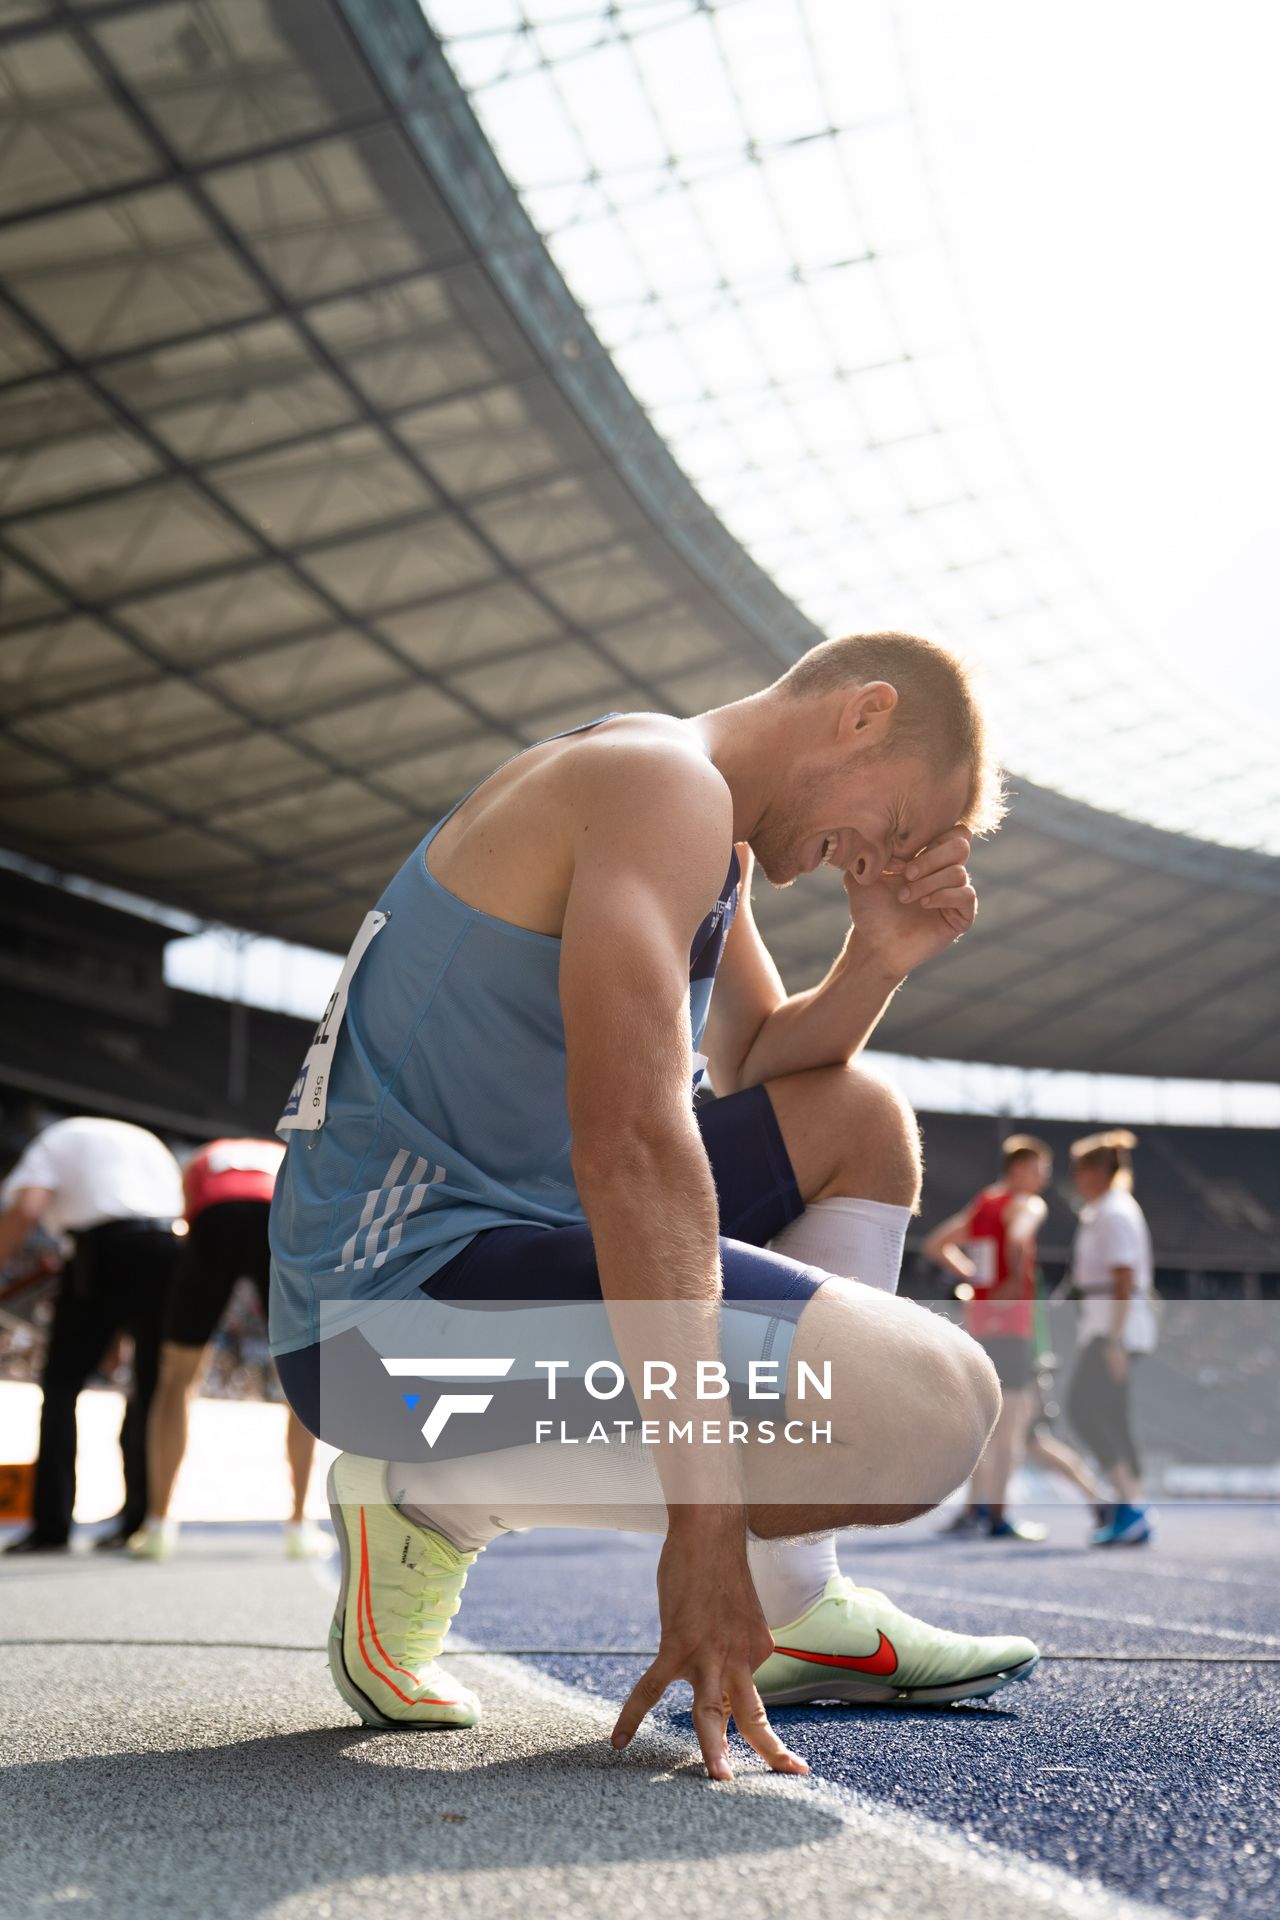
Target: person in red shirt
990, 1246
228, 1187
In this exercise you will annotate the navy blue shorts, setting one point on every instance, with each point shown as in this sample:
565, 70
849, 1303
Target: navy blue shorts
756, 1193
764, 1293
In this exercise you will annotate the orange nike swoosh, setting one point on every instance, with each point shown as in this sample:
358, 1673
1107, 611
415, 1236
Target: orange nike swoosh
883, 1660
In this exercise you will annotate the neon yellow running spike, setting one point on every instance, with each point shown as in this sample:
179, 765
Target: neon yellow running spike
304, 1540
401, 1587
154, 1540
854, 1645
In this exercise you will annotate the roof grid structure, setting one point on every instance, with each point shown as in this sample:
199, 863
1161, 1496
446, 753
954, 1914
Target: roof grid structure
292, 517
741, 195
319, 496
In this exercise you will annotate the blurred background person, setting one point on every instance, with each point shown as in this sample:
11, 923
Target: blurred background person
1112, 1271
117, 1191
227, 1188
990, 1247
1047, 1449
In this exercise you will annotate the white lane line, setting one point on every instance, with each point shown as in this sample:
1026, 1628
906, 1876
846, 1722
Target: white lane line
1170, 1570
996, 1881
1028, 1887
1165, 1570
1107, 1615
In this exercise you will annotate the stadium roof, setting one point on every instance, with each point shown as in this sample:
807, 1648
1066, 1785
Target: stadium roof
318, 496
932, 357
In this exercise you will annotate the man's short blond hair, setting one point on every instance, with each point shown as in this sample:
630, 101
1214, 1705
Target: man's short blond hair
1024, 1146
937, 714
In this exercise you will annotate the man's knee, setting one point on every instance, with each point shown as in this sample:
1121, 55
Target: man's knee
915, 1397
955, 1396
978, 1393
878, 1137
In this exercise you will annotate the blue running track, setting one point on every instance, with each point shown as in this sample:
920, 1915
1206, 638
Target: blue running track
1160, 1779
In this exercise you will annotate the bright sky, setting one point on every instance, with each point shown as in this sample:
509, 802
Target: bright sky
962, 318
1106, 174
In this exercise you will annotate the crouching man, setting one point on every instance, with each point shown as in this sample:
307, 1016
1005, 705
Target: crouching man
497, 1109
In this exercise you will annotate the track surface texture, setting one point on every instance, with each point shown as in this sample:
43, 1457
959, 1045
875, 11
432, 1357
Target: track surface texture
212, 1780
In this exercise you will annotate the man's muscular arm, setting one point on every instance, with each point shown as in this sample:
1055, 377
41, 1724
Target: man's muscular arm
945, 1246
652, 830
758, 1032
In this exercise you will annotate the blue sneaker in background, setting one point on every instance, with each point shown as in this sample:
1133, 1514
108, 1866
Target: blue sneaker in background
1130, 1527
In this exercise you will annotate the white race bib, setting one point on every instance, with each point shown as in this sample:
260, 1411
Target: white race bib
985, 1263
305, 1108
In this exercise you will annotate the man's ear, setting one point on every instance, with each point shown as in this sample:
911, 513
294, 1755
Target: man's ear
866, 713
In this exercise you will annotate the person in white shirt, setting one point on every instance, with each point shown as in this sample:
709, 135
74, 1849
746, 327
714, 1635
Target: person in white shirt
1112, 1270
116, 1190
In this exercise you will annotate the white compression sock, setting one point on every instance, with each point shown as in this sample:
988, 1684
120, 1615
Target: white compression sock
789, 1575
859, 1240
614, 1488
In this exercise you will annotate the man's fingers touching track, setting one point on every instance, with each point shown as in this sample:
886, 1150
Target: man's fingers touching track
752, 1723
710, 1723
644, 1696
713, 1705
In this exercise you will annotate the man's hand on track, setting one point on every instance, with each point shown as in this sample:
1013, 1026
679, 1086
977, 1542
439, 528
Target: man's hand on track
714, 1636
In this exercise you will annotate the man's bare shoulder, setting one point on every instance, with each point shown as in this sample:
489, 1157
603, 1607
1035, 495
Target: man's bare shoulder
643, 752
648, 774
638, 792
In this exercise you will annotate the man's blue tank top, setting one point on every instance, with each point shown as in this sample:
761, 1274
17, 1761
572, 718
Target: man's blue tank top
446, 1112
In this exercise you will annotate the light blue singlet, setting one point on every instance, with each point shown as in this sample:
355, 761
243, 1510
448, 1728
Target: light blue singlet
446, 1110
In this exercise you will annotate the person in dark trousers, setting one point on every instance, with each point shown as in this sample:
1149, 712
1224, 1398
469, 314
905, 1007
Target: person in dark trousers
117, 1191
228, 1186
1112, 1272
